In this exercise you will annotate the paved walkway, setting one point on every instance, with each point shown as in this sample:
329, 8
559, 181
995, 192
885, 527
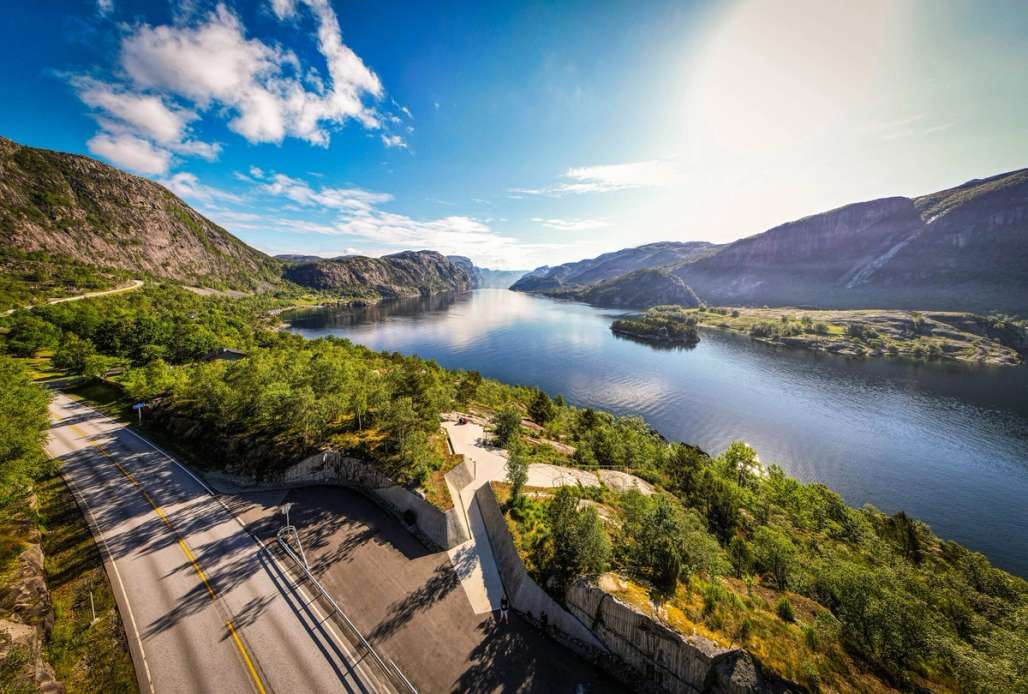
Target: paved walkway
473, 560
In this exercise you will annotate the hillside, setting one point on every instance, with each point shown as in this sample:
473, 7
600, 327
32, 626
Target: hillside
965, 248
611, 265
960, 249
639, 289
406, 274
60, 208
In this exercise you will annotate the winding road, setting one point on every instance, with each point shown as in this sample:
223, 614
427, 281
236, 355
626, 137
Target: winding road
135, 284
206, 607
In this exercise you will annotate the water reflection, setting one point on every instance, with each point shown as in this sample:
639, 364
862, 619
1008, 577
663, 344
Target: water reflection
948, 443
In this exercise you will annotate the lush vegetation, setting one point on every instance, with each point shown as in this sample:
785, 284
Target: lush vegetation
908, 334
825, 594
36, 508
662, 323
31, 277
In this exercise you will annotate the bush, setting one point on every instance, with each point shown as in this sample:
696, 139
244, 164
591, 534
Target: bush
507, 423
784, 610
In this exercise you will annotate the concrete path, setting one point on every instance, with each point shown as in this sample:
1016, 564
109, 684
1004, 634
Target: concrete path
473, 560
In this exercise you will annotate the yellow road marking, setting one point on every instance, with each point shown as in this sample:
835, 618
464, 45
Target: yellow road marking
185, 550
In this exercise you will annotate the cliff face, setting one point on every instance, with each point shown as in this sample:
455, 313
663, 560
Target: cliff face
639, 289
76, 207
611, 265
406, 274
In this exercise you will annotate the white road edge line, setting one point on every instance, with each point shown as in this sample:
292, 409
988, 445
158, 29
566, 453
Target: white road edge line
117, 574
356, 662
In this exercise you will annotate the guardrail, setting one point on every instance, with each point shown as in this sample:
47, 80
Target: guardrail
396, 677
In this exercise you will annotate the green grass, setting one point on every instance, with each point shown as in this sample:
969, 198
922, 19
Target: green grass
87, 656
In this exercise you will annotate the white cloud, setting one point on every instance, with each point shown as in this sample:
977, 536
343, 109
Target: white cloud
120, 112
608, 177
130, 152
571, 224
187, 185
394, 141
105, 7
299, 191
213, 63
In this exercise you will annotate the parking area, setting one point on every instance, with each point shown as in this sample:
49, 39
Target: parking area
409, 603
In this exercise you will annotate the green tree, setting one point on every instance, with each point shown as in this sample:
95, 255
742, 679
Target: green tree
23, 427
775, 555
507, 423
541, 409
517, 471
73, 352
29, 334
467, 388
579, 542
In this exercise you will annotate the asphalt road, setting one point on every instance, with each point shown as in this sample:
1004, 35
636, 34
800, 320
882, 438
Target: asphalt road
205, 607
410, 603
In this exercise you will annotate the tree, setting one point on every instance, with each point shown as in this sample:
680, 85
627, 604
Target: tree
517, 471
73, 352
29, 333
579, 543
467, 388
541, 409
775, 555
740, 462
508, 425
148, 382
23, 426
741, 556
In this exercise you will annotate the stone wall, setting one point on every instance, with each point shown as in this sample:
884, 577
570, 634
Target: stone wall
661, 658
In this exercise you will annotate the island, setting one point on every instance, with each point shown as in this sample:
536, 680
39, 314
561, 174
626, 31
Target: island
929, 335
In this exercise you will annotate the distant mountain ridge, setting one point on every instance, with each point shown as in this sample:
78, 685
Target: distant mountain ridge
483, 277
78, 208
400, 275
639, 289
963, 248
611, 265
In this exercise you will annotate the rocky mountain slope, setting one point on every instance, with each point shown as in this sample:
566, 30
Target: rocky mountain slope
965, 248
406, 274
961, 249
611, 265
76, 208
639, 289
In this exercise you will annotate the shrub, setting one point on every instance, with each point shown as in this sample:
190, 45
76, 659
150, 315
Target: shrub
785, 611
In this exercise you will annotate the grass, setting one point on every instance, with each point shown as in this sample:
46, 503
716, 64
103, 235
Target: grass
87, 655
436, 491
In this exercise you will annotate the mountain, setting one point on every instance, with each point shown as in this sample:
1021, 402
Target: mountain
298, 258
639, 289
73, 208
960, 249
484, 277
965, 248
406, 274
611, 265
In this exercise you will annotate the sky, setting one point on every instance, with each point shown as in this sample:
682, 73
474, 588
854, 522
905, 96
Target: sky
522, 133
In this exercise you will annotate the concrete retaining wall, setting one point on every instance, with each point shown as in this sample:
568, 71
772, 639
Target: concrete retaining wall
662, 659
524, 593
442, 529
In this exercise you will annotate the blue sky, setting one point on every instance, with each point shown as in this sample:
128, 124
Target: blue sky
522, 133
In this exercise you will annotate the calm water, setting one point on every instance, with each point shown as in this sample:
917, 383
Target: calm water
948, 444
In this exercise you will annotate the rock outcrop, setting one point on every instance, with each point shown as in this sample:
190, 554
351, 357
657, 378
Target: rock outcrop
406, 274
70, 206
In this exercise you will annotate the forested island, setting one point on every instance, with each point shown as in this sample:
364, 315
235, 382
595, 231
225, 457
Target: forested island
930, 335
825, 595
